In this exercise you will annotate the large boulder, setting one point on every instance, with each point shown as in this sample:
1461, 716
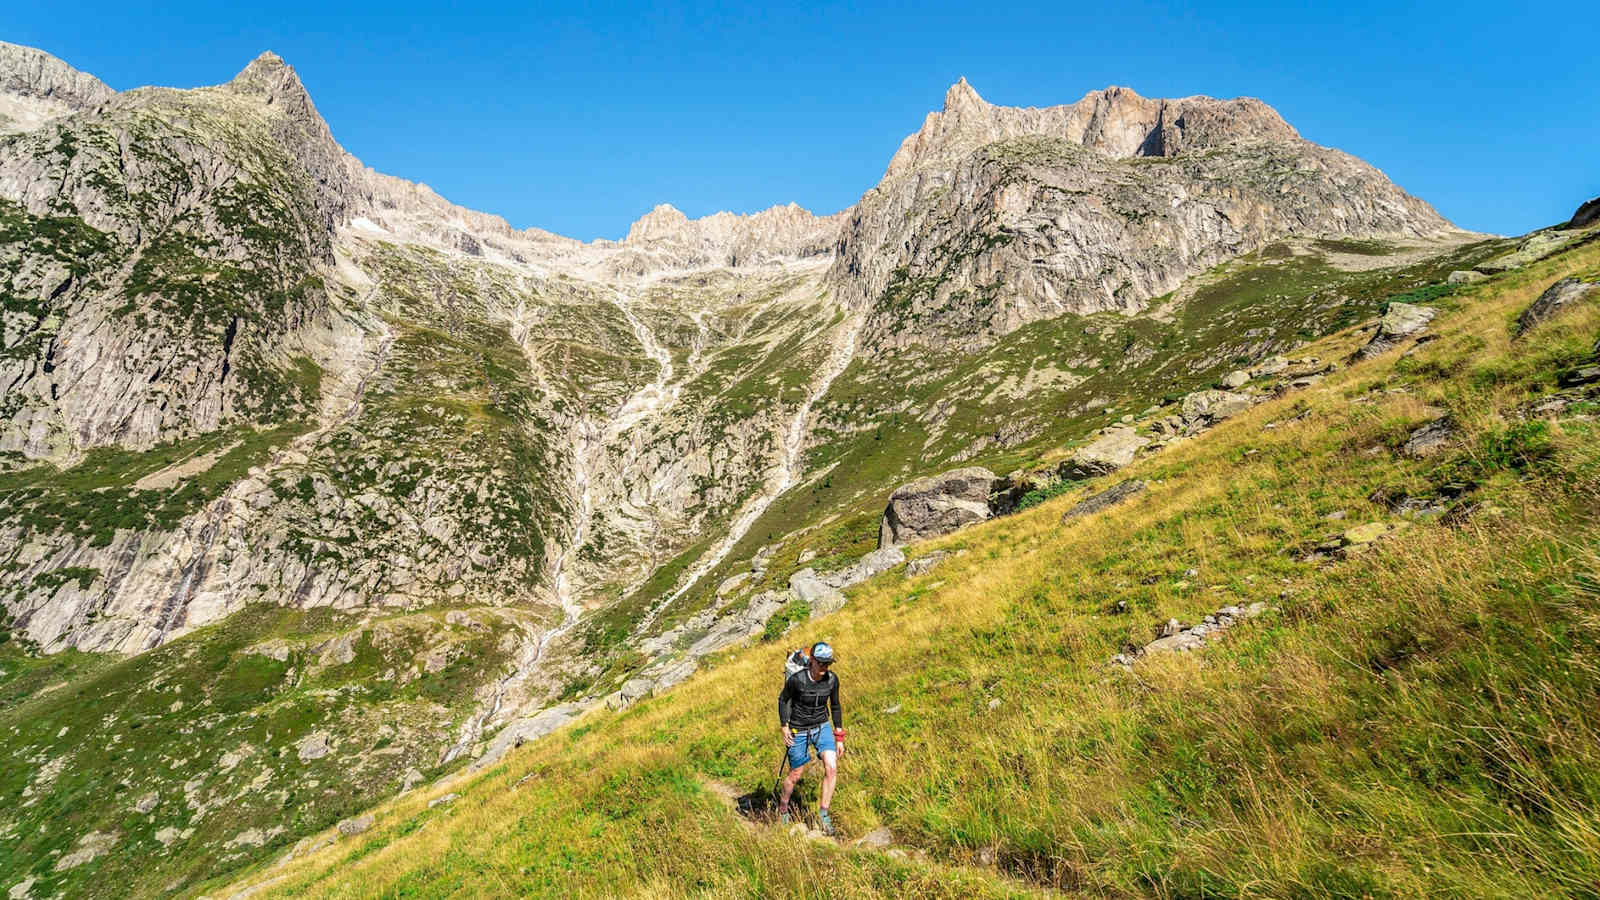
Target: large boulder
1555, 298
878, 561
1111, 451
524, 729
940, 504
823, 598
1211, 407
1401, 321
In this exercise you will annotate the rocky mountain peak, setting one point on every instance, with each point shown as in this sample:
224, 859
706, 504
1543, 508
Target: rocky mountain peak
962, 97
27, 72
663, 222
35, 87
275, 81
1116, 122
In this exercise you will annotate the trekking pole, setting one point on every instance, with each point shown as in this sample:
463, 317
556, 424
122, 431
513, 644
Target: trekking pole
783, 762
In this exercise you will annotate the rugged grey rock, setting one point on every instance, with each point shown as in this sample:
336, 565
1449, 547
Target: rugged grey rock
1587, 214
1103, 500
1205, 408
1109, 452
990, 217
1429, 439
1555, 298
940, 504
1401, 322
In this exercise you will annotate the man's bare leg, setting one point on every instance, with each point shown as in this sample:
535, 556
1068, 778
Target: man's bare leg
789, 782
830, 760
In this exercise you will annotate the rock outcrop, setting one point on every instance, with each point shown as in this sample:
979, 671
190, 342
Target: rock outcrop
1555, 298
35, 87
1587, 214
939, 504
990, 218
1112, 450
1401, 322
1104, 500
667, 239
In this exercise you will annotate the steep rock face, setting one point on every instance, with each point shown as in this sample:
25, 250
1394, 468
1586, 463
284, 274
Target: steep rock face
177, 305
36, 87
1115, 122
990, 218
666, 238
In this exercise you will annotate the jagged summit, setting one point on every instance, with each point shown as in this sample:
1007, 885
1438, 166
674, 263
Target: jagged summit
962, 95
36, 87
29, 72
1116, 121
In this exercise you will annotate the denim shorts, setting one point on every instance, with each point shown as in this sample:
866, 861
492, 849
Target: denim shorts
820, 737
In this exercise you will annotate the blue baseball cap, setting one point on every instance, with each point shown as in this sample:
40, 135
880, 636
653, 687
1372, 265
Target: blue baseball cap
822, 653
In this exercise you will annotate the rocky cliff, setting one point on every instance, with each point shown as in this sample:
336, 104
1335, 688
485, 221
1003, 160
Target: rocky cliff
992, 217
261, 399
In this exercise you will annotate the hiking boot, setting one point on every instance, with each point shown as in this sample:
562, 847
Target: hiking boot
825, 821
783, 816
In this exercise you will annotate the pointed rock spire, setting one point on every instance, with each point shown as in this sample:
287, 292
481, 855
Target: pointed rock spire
270, 77
961, 97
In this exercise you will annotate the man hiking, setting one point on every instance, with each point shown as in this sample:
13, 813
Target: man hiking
803, 709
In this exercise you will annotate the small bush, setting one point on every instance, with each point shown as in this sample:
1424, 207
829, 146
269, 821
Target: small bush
795, 611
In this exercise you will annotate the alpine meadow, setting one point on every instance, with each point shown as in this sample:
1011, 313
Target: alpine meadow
1162, 505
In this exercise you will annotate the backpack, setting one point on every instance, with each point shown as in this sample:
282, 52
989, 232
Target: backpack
796, 661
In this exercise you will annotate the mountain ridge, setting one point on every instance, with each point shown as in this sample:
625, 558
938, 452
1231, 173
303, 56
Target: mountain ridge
368, 456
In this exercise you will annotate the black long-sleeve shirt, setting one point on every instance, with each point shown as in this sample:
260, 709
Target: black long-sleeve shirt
805, 703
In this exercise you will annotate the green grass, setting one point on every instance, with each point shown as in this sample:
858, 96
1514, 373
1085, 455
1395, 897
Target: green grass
1413, 721
161, 721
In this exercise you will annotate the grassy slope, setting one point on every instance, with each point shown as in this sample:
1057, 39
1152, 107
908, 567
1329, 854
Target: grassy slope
873, 424
163, 723
1419, 720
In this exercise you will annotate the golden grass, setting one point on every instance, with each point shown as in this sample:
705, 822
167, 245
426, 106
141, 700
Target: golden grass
1419, 720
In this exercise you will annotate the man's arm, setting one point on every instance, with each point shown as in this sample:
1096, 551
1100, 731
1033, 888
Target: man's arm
838, 710
785, 700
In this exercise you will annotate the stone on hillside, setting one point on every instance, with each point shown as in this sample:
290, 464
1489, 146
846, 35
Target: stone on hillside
823, 598
1428, 439
1167, 425
676, 674
525, 729
1401, 321
147, 803
880, 560
1106, 454
929, 507
1465, 277
1555, 298
877, 839
355, 825
1580, 376
1103, 500
1209, 407
1235, 379
806, 555
313, 746
922, 565
731, 583
632, 691
1272, 365
91, 846
1364, 534
22, 890
411, 779
441, 801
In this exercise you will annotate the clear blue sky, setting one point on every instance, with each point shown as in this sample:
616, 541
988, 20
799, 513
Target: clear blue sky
580, 119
